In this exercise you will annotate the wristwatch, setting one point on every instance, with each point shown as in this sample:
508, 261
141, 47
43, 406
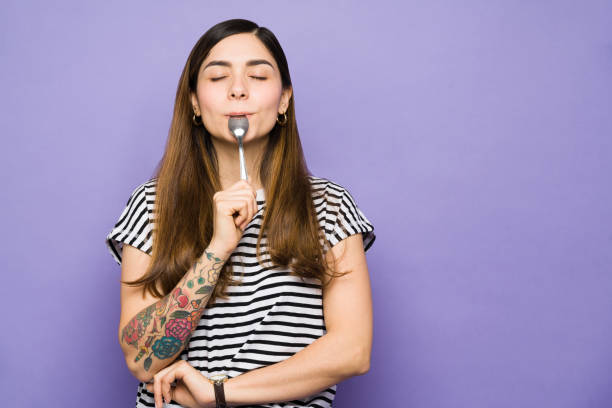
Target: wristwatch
217, 381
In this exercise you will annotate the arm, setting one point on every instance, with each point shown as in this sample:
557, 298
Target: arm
344, 351
157, 333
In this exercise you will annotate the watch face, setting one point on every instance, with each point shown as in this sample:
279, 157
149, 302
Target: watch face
217, 377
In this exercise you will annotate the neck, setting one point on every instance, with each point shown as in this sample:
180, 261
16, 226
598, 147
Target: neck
229, 161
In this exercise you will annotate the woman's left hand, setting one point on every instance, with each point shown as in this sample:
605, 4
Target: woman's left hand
192, 389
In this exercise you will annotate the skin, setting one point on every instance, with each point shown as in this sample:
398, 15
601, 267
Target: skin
344, 351
161, 330
239, 88
154, 332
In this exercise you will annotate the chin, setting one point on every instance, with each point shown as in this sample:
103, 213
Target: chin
250, 138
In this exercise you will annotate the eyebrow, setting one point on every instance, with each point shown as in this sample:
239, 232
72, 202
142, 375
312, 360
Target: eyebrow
249, 63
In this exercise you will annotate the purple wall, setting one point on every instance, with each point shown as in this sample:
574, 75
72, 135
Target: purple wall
477, 139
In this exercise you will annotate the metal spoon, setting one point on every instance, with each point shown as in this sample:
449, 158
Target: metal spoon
239, 125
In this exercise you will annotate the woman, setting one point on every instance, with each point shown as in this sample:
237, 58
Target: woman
226, 281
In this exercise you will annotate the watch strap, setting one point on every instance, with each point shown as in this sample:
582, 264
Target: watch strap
219, 394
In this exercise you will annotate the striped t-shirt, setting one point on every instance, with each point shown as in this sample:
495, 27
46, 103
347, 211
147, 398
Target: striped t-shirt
272, 314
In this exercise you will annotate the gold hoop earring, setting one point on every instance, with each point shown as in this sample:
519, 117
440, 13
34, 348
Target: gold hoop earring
193, 119
284, 121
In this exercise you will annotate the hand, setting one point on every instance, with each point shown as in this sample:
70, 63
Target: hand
192, 389
239, 198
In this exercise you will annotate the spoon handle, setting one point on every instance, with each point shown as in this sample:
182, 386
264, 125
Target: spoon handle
243, 172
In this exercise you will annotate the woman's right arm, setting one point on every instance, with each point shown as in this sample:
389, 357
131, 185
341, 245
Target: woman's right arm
153, 332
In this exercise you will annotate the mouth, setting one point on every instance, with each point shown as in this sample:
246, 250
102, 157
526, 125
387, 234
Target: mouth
247, 114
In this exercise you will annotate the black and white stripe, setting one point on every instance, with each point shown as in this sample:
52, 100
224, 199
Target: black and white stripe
271, 314
134, 226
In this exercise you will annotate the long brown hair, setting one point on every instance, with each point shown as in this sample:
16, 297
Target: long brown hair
187, 178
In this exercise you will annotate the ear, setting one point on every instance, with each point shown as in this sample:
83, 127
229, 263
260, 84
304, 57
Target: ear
284, 102
194, 102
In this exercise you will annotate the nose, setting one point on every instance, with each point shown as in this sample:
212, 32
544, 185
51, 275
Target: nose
238, 89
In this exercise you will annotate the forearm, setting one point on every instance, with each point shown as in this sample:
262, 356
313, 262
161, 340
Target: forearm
156, 335
323, 363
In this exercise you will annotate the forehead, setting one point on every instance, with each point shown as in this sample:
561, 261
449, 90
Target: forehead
237, 49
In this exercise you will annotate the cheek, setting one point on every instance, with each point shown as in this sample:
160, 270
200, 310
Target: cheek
270, 99
211, 105
208, 100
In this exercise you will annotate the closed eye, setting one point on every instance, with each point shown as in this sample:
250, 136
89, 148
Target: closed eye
256, 77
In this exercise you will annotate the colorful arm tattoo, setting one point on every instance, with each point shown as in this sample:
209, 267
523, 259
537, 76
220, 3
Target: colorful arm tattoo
168, 324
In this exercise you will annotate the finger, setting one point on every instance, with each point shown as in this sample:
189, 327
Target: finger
237, 209
169, 378
249, 187
186, 378
246, 218
157, 387
178, 397
238, 185
150, 388
157, 390
251, 208
243, 192
251, 204
247, 197
166, 386
252, 189
248, 182
174, 373
231, 206
240, 217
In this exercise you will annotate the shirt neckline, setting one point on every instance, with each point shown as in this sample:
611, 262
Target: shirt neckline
260, 196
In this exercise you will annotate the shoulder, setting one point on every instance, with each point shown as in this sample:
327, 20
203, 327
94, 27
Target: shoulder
142, 198
328, 190
339, 213
144, 191
331, 196
134, 225
138, 211
323, 185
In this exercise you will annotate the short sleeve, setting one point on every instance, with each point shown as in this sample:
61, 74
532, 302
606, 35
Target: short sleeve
348, 219
134, 224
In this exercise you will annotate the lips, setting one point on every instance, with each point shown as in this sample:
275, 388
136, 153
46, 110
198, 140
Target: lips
247, 114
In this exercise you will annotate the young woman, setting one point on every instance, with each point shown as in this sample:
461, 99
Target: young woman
241, 292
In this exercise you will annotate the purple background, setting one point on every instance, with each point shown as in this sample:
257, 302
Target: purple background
475, 136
